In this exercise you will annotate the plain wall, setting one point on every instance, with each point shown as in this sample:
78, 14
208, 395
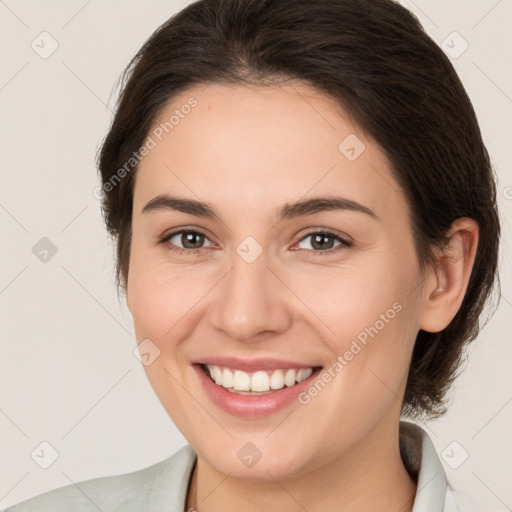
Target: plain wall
67, 372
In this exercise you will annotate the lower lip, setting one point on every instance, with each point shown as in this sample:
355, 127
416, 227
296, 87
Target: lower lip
251, 406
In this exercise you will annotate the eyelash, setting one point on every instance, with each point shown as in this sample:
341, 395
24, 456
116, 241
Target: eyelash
196, 252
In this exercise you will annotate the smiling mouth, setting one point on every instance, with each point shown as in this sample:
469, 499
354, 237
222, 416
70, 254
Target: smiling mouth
260, 382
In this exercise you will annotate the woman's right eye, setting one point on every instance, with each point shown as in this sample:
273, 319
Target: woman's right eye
191, 241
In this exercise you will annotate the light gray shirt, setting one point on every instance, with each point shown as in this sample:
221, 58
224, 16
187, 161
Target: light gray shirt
163, 486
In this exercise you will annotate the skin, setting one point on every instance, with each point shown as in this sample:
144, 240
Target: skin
248, 151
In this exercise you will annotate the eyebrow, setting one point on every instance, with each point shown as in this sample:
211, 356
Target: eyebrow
290, 210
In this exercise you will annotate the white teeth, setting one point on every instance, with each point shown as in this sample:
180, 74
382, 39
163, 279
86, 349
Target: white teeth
217, 375
241, 381
303, 374
277, 380
289, 377
260, 381
227, 378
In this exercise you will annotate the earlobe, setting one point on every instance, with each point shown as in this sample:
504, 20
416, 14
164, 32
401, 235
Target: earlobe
448, 282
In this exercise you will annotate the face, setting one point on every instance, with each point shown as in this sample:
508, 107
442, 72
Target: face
298, 265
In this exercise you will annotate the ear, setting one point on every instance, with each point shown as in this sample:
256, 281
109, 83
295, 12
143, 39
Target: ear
447, 283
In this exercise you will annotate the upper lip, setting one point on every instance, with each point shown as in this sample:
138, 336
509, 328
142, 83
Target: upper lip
251, 365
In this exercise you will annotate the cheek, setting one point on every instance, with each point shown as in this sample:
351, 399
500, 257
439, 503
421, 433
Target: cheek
371, 314
353, 296
161, 296
162, 304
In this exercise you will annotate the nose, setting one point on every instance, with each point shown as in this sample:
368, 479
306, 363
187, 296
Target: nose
252, 303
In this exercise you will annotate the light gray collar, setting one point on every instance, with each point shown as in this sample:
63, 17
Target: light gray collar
416, 448
420, 458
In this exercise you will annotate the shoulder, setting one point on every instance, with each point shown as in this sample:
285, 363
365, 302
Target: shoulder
144, 489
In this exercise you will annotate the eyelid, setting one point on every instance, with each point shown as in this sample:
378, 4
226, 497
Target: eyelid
327, 231
172, 233
344, 241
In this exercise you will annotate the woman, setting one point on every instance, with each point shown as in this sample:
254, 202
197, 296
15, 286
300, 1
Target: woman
306, 230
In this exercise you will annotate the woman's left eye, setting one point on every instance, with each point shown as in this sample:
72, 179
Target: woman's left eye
323, 241
192, 241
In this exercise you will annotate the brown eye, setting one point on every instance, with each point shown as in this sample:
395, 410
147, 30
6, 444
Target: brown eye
325, 241
185, 241
191, 239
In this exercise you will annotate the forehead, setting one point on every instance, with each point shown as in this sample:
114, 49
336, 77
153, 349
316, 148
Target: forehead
263, 145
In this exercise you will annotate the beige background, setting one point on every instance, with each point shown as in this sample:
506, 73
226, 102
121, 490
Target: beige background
68, 376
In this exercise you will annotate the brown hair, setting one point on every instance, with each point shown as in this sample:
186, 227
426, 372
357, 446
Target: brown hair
374, 58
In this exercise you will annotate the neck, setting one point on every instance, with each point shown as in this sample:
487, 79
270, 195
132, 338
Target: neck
371, 476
